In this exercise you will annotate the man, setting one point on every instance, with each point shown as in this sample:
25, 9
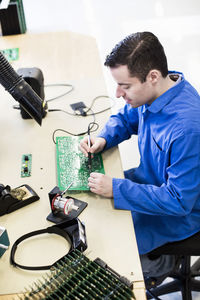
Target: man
163, 109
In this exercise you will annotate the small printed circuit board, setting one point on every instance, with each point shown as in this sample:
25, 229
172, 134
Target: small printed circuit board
72, 165
26, 165
11, 54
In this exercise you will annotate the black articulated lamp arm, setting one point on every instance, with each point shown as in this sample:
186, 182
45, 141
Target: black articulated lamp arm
21, 90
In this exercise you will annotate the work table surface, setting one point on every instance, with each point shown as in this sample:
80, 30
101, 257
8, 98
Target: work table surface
70, 58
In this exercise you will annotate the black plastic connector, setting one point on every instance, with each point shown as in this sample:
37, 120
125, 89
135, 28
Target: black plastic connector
79, 106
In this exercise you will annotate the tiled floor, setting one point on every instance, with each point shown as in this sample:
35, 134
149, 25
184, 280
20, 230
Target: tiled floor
175, 22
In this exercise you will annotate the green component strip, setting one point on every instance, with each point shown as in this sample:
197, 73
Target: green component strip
11, 54
26, 165
72, 165
74, 276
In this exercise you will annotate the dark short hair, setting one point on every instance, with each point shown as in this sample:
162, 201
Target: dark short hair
141, 52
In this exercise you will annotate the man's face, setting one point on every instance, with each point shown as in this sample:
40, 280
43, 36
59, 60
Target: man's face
131, 89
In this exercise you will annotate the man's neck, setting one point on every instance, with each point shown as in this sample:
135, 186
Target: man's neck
165, 84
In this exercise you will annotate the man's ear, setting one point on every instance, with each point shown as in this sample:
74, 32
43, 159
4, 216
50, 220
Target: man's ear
153, 76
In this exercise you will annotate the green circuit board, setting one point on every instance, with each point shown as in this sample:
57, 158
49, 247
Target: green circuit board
72, 165
26, 165
11, 54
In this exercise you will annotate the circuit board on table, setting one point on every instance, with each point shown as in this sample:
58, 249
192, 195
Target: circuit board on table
72, 165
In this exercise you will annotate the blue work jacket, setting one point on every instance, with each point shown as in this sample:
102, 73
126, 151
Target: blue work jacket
163, 193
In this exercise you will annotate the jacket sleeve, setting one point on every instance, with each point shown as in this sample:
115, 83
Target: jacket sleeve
120, 127
178, 195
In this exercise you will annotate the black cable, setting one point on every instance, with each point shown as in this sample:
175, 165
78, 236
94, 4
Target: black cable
54, 98
59, 84
152, 295
90, 127
72, 88
87, 108
76, 134
93, 101
62, 110
75, 114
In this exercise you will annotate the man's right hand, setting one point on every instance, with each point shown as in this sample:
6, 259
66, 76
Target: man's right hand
97, 145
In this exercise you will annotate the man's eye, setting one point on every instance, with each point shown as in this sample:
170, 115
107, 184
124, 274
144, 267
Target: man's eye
126, 87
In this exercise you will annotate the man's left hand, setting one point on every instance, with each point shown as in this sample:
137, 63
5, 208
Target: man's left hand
100, 184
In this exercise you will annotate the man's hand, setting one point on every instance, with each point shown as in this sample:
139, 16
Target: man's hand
100, 184
97, 145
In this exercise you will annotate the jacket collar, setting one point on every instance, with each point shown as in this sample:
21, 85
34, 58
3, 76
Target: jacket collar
165, 98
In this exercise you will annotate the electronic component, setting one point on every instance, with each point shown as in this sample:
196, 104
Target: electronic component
77, 277
72, 165
26, 165
4, 240
64, 207
11, 54
13, 199
79, 106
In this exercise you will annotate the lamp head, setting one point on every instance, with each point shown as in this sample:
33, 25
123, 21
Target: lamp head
21, 91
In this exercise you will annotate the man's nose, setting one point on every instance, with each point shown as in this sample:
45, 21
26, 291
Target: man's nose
119, 92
